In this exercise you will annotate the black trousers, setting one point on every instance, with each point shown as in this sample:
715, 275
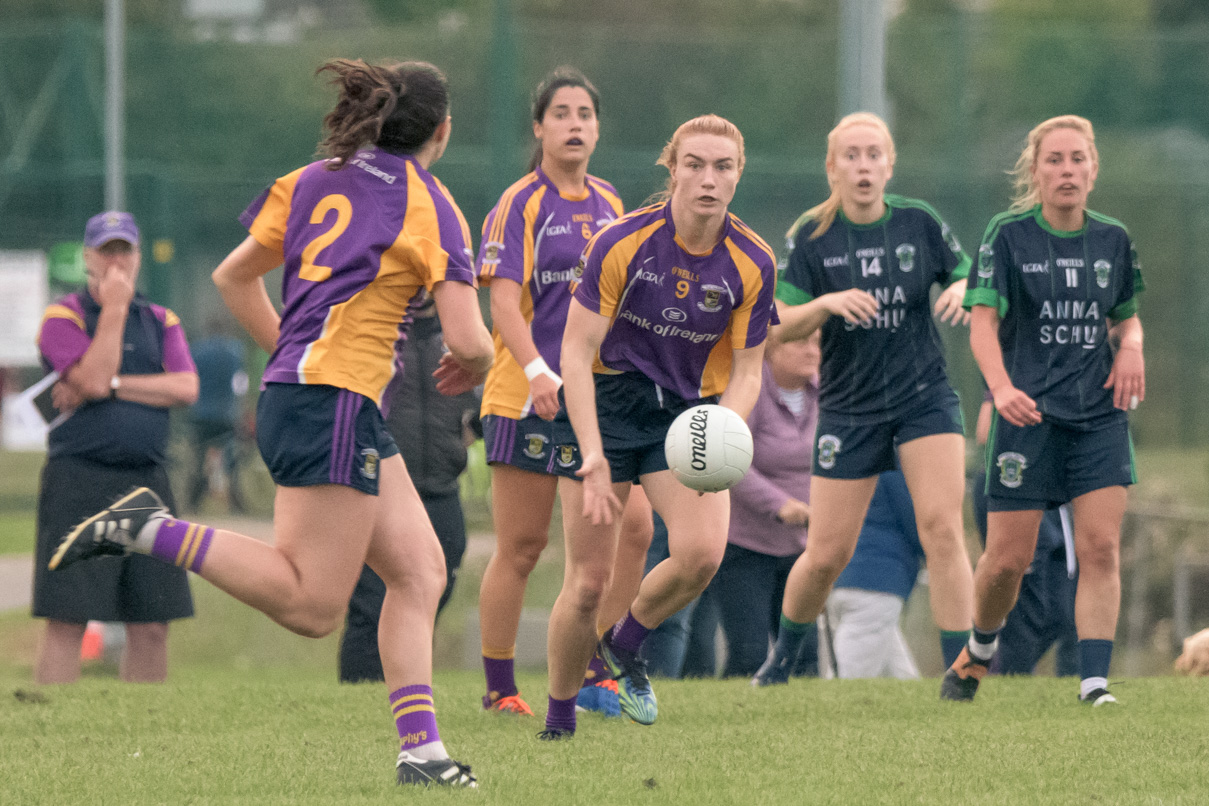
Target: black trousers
359, 658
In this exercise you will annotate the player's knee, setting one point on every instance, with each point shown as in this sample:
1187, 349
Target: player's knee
523, 556
699, 568
1004, 563
315, 619
1099, 552
587, 589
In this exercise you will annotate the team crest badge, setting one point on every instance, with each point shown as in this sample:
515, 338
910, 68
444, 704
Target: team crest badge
1011, 469
577, 273
713, 299
369, 463
906, 256
829, 447
535, 446
1102, 268
492, 254
986, 261
566, 456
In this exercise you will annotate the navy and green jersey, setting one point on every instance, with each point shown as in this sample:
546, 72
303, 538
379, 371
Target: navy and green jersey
872, 372
1056, 292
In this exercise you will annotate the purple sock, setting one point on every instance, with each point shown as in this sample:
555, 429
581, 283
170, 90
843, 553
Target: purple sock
415, 716
560, 714
628, 635
596, 671
501, 682
182, 543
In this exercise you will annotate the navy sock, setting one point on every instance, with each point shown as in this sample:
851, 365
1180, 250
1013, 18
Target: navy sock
1095, 655
951, 644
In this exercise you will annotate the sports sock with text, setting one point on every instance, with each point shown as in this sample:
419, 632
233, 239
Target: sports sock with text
416, 718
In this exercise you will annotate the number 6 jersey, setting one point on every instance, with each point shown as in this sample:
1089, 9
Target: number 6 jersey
361, 245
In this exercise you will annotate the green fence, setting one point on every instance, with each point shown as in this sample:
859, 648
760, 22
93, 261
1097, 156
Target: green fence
211, 123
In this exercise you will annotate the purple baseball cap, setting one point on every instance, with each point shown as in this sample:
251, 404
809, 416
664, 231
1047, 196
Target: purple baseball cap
110, 226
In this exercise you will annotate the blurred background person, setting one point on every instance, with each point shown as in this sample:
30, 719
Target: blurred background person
770, 510
217, 418
432, 431
123, 363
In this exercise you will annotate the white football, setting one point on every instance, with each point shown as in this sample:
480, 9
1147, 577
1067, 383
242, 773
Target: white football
708, 448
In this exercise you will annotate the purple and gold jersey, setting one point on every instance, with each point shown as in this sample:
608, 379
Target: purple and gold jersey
1055, 293
677, 317
362, 246
872, 372
535, 236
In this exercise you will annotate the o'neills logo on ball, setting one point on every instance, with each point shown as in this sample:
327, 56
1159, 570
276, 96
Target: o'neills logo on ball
696, 430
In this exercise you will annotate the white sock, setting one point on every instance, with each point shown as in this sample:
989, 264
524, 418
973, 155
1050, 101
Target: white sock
433, 751
983, 651
1090, 684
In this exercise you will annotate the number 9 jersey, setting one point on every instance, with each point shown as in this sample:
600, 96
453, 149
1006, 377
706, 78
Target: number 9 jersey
362, 246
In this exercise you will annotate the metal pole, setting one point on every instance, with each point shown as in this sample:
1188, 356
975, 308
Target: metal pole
115, 105
862, 65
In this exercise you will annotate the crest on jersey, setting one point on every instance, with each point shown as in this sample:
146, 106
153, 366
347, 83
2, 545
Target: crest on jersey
1011, 468
986, 261
535, 445
370, 463
577, 273
829, 447
566, 456
713, 299
492, 254
906, 256
1102, 268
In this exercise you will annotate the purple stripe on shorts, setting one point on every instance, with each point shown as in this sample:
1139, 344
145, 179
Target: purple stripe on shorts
505, 436
344, 438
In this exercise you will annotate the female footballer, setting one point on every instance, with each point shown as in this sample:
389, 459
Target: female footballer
671, 309
1056, 334
363, 235
532, 241
861, 267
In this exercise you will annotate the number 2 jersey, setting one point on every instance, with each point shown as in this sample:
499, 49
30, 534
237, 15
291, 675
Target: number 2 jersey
873, 372
535, 236
1055, 292
362, 245
676, 316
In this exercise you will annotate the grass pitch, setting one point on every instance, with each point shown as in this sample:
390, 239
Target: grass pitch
284, 737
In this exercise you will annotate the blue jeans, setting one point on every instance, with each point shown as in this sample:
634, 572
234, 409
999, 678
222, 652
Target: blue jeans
683, 645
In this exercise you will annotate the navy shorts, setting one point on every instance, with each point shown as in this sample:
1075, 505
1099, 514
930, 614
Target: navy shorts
634, 414
1039, 466
532, 444
311, 434
845, 450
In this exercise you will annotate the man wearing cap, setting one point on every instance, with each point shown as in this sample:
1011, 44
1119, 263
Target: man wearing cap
123, 362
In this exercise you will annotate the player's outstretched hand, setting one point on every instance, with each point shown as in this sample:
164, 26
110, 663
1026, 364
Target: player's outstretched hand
1016, 407
601, 504
948, 305
854, 305
543, 389
1127, 378
454, 379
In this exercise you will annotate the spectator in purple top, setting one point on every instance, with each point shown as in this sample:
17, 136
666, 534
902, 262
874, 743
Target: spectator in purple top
123, 362
770, 507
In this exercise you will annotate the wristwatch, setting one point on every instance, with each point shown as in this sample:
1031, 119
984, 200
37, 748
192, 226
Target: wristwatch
115, 383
